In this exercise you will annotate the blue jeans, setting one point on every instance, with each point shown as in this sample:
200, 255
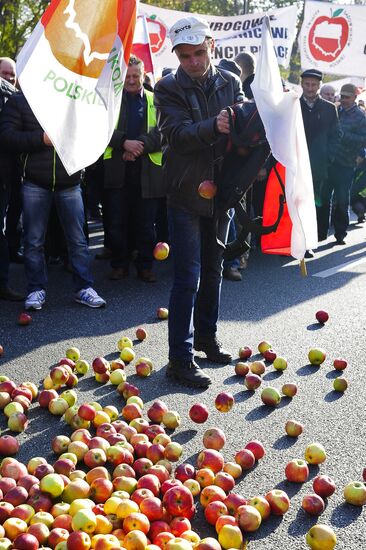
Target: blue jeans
235, 263
338, 184
4, 249
195, 296
37, 203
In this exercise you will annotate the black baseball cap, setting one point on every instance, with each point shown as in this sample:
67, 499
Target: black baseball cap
312, 73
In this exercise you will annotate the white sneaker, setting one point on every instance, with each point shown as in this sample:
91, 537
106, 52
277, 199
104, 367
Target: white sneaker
88, 297
35, 299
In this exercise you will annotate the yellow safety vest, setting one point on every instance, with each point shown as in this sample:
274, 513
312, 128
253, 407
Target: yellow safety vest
156, 158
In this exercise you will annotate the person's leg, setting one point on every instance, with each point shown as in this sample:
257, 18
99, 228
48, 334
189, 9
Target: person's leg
184, 230
231, 267
342, 187
323, 210
208, 298
146, 234
13, 223
36, 207
71, 213
115, 199
4, 251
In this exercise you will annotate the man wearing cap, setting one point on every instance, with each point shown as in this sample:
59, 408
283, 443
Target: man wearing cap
194, 124
322, 132
352, 138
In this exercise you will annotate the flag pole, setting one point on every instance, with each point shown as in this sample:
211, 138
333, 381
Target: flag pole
303, 270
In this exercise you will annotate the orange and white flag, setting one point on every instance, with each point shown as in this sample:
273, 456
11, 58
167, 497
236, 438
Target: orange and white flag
72, 70
141, 44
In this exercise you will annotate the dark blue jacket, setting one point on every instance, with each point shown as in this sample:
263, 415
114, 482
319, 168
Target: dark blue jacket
353, 135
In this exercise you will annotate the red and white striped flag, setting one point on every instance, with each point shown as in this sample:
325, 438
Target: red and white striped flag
72, 69
141, 44
282, 119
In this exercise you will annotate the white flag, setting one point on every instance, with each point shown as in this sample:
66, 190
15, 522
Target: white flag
71, 71
281, 115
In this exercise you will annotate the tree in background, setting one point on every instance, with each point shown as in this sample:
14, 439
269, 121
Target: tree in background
17, 20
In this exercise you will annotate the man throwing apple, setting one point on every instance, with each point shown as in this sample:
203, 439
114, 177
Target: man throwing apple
194, 125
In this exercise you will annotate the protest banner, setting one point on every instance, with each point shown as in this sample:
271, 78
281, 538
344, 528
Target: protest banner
333, 38
240, 33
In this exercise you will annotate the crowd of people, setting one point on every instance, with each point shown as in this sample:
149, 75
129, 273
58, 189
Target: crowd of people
145, 187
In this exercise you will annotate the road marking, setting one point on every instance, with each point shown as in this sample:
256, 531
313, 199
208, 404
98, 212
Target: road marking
339, 268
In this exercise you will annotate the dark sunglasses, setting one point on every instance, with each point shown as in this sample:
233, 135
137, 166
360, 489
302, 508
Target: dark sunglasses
345, 96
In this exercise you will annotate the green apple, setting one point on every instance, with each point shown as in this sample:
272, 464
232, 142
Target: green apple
53, 484
82, 366
70, 397
355, 493
84, 520
124, 342
317, 356
340, 384
271, 396
321, 537
117, 376
280, 363
73, 354
315, 453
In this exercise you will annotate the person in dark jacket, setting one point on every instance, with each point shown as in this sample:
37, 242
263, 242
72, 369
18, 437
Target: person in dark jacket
133, 178
6, 178
194, 124
352, 138
358, 189
46, 179
246, 62
322, 133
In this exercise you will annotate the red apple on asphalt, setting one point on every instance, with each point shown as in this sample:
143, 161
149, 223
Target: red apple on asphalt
100, 365
248, 518
198, 413
225, 481
178, 501
321, 316
224, 402
45, 396
9, 445
207, 189
269, 355
214, 510
1, 350
214, 438
364, 474
241, 369
279, 501
7, 386
210, 494
355, 493
252, 381
293, 428
339, 363
271, 396
245, 352
184, 471
26, 541
156, 411
289, 389
245, 458
143, 369
24, 319
257, 448
161, 251
233, 501
18, 422
141, 334
210, 458
313, 504
297, 471
324, 485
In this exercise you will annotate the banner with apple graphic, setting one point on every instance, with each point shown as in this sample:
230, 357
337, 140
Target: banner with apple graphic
333, 38
232, 34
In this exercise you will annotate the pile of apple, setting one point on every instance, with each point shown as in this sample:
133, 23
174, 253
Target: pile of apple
114, 484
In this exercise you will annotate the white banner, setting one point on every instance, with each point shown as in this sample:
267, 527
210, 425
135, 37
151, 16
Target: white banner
232, 35
333, 38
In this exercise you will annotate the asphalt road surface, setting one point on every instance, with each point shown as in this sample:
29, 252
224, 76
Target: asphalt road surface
273, 302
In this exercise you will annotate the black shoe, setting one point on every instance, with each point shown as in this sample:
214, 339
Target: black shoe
106, 254
9, 294
16, 258
232, 274
340, 242
213, 350
360, 219
309, 254
188, 373
146, 275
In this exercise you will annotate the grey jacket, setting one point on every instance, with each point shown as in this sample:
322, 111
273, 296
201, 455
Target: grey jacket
353, 135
